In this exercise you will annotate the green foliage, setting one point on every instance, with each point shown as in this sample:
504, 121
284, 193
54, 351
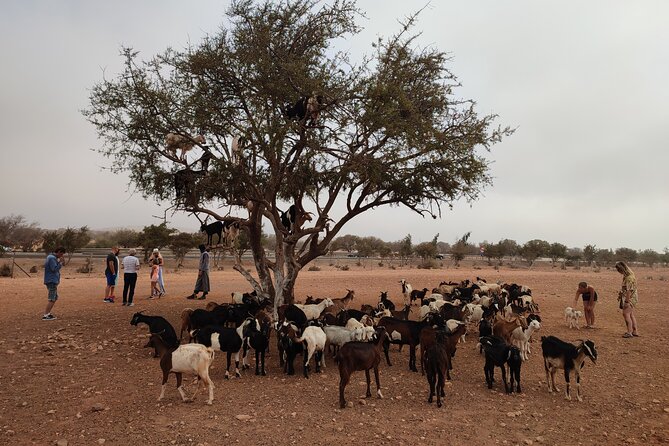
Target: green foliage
461, 248
557, 251
626, 254
71, 239
589, 253
649, 257
534, 249
390, 132
405, 248
346, 243
427, 250
180, 244
154, 236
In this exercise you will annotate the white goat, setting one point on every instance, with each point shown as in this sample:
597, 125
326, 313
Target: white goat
452, 325
521, 338
571, 317
474, 313
315, 338
313, 311
406, 291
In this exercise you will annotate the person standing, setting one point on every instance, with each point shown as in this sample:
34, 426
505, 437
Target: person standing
589, 296
202, 283
628, 298
130, 267
111, 273
161, 262
155, 267
52, 265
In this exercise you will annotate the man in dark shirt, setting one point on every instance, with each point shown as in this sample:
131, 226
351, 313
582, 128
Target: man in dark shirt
111, 273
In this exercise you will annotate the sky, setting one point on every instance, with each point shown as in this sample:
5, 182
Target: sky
585, 85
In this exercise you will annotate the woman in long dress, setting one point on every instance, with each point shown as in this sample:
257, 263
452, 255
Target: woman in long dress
161, 282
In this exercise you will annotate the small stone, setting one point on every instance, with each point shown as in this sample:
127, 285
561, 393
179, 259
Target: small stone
528, 441
78, 414
97, 407
51, 412
539, 439
511, 414
243, 417
666, 409
656, 401
61, 443
10, 352
101, 441
362, 402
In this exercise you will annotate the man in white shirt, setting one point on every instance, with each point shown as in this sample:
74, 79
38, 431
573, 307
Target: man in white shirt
130, 267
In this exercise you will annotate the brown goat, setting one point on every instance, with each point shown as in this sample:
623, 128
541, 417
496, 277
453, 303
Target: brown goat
185, 322
358, 356
402, 314
437, 360
429, 337
341, 303
503, 327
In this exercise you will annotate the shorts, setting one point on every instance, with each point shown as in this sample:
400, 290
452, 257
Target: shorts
53, 291
111, 278
586, 297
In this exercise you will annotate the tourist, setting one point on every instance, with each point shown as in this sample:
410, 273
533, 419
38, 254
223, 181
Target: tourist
111, 273
589, 296
130, 267
161, 282
628, 299
52, 265
155, 272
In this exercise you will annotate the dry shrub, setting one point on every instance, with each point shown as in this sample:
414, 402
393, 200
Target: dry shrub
34, 269
5, 270
427, 264
344, 268
314, 268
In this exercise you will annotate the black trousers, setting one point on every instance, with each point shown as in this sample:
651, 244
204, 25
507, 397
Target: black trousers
129, 282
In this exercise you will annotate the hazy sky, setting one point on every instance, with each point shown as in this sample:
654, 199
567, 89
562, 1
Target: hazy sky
586, 84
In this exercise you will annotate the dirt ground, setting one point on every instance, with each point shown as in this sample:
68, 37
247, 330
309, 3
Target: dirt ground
85, 378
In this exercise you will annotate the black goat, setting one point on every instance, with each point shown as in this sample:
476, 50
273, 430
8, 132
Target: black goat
437, 360
229, 228
258, 339
305, 109
289, 218
559, 354
228, 340
185, 181
387, 303
500, 354
157, 324
286, 336
417, 295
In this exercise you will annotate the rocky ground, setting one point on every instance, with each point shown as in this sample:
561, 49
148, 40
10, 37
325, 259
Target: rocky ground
85, 378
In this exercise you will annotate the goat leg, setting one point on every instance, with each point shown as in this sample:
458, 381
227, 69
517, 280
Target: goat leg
378, 382
369, 381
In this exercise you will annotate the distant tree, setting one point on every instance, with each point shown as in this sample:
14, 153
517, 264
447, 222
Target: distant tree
366, 246
384, 249
605, 256
443, 247
50, 241
589, 253
180, 244
427, 250
7, 227
74, 239
574, 254
461, 248
405, 249
508, 248
557, 251
626, 254
346, 243
665, 256
534, 249
154, 236
649, 257
490, 250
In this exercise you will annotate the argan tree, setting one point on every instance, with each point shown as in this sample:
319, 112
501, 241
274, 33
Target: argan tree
385, 131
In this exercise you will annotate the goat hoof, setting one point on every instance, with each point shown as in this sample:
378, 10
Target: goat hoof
429, 400
257, 373
438, 403
209, 403
263, 373
227, 376
238, 375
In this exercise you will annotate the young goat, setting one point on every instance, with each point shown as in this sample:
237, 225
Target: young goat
157, 324
563, 355
521, 338
499, 353
406, 291
188, 358
174, 142
449, 339
385, 303
571, 317
230, 230
358, 356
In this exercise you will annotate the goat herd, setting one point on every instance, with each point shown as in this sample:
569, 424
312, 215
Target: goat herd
506, 316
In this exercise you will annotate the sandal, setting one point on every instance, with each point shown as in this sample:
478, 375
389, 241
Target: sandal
628, 335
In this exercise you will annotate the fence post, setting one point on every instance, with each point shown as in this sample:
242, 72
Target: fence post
13, 255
